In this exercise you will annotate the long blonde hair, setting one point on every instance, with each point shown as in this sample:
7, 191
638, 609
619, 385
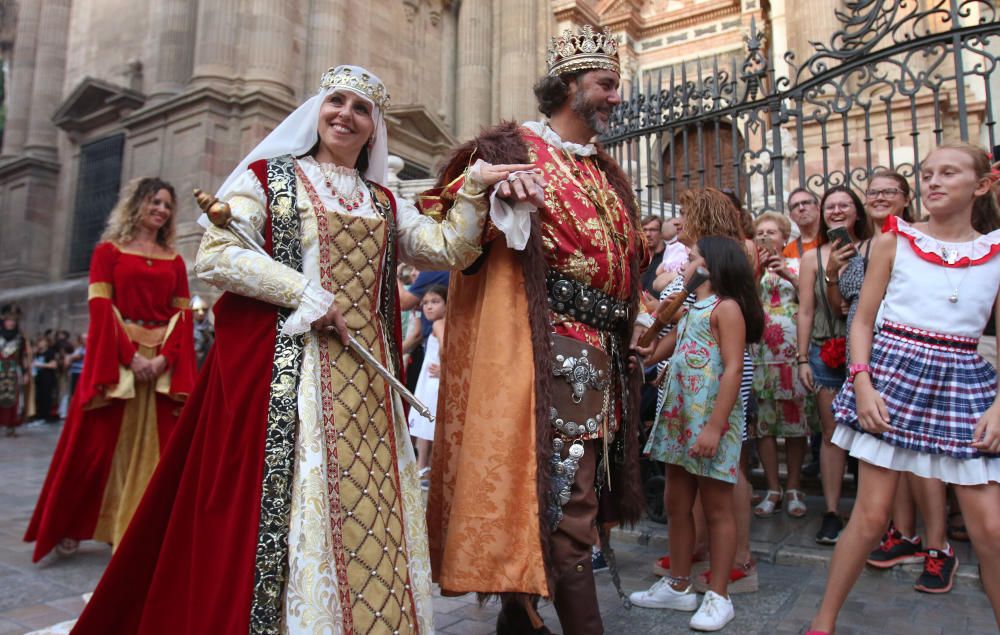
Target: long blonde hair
124, 217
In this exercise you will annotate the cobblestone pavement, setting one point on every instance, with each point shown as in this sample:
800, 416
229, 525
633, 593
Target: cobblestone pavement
792, 575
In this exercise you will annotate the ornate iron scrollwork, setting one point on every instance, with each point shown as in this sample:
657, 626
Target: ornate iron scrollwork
897, 78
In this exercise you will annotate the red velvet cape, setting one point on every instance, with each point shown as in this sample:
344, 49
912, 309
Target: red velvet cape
186, 563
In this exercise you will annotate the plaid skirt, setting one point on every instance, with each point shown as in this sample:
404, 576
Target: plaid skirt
935, 387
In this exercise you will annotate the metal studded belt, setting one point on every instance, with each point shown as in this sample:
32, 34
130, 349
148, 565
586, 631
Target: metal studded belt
584, 303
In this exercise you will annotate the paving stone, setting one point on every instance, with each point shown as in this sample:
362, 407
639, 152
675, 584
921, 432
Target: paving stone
792, 570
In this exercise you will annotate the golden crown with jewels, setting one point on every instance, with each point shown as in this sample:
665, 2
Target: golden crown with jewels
362, 83
585, 50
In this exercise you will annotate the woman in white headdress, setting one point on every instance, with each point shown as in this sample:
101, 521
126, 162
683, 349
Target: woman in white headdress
288, 500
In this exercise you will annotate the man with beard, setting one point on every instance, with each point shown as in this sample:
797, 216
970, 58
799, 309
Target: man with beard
537, 436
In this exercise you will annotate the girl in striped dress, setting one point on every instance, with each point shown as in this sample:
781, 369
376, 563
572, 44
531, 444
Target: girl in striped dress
920, 398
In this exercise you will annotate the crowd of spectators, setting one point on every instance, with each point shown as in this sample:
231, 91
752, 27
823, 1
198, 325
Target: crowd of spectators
809, 267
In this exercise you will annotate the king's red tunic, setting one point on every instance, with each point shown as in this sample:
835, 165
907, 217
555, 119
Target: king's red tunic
489, 534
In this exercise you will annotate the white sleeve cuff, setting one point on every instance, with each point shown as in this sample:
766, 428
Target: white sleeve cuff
513, 220
644, 319
316, 301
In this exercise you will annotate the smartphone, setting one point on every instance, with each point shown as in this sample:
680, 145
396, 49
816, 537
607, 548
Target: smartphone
764, 242
839, 235
995, 157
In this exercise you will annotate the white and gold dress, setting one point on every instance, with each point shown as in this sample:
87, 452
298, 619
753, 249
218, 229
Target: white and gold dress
357, 542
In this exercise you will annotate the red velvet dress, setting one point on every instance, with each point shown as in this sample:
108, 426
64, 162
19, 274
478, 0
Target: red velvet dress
116, 425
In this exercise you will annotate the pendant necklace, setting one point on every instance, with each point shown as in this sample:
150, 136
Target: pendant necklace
148, 256
351, 201
950, 256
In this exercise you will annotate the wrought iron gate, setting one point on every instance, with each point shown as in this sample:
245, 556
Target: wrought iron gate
897, 78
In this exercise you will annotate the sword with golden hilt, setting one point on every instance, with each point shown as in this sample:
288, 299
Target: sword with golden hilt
221, 216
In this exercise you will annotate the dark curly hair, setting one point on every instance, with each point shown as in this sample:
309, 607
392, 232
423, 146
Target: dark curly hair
553, 91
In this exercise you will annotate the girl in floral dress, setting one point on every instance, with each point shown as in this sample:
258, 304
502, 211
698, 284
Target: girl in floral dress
699, 430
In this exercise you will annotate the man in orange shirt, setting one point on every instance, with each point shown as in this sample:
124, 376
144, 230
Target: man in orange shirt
803, 208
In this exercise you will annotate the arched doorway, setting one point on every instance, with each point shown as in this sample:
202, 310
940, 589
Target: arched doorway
703, 155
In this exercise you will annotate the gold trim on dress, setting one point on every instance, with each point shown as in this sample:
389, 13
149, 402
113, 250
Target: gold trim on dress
102, 290
147, 256
179, 302
136, 454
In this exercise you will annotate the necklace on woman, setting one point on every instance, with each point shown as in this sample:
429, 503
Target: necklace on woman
146, 253
350, 201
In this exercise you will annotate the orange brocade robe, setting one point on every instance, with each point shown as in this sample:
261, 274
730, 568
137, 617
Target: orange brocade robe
116, 426
487, 528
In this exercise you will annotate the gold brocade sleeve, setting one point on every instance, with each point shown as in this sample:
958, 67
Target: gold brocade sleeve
225, 263
452, 243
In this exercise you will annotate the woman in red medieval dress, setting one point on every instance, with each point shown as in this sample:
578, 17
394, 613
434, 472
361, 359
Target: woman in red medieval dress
288, 499
138, 371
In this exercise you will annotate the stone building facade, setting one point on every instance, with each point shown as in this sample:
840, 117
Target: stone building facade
102, 91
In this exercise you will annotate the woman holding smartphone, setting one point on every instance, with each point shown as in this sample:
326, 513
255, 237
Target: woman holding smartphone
821, 332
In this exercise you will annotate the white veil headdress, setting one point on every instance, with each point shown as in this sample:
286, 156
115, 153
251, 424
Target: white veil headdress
297, 134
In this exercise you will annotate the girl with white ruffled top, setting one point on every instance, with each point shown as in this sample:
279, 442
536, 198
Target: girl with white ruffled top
920, 398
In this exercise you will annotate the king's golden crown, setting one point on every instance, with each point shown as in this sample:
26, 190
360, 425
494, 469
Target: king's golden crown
585, 50
361, 83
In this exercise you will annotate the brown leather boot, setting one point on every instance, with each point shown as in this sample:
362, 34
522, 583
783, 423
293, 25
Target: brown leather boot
576, 601
515, 619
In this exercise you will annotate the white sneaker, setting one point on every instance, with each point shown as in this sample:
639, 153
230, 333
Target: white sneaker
662, 596
715, 612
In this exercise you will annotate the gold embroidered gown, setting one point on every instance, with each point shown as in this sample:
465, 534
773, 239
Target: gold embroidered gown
357, 544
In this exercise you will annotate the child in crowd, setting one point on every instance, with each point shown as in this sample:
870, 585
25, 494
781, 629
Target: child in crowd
699, 429
920, 398
434, 307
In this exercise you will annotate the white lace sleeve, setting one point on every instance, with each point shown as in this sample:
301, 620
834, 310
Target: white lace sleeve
316, 301
454, 243
513, 220
225, 263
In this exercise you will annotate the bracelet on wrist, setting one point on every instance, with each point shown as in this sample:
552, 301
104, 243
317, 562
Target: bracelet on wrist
856, 369
803, 361
830, 281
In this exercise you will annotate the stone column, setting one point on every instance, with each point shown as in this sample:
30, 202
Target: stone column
327, 33
475, 38
812, 21
172, 25
215, 42
22, 77
411, 52
267, 44
518, 52
449, 28
50, 70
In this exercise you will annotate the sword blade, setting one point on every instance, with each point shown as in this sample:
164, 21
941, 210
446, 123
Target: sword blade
356, 346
